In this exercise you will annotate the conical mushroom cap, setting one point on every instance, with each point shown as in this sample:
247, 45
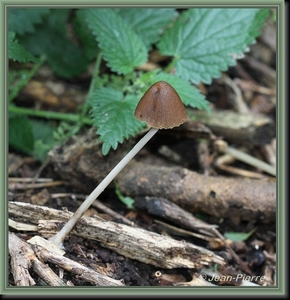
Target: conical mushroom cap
161, 107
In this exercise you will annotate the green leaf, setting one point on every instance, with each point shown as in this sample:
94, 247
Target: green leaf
20, 134
205, 42
65, 58
16, 51
128, 201
148, 23
23, 21
122, 48
189, 94
33, 137
113, 115
238, 236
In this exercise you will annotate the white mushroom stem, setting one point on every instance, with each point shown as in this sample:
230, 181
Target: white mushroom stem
60, 236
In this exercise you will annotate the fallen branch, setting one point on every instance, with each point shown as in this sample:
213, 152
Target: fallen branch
135, 243
223, 197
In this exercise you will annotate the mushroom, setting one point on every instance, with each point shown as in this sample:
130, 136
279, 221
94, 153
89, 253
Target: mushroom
161, 108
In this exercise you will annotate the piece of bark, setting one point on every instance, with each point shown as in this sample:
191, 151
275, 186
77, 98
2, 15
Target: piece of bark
171, 212
238, 128
23, 258
234, 198
135, 243
20, 261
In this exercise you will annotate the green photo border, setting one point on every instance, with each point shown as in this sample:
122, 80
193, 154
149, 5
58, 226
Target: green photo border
223, 292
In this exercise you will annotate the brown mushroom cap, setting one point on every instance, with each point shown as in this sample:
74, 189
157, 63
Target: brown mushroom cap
161, 107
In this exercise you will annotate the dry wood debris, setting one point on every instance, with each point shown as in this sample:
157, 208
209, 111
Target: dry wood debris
132, 242
25, 257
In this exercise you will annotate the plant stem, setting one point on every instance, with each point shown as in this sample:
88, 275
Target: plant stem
95, 73
170, 65
59, 237
82, 119
49, 114
29, 75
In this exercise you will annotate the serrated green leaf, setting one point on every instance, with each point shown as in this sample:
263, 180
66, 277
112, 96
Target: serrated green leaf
122, 48
208, 41
16, 51
23, 21
113, 115
20, 134
65, 58
238, 236
189, 94
148, 23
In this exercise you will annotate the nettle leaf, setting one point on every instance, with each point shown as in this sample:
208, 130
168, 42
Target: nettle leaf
189, 94
148, 23
17, 51
21, 134
23, 21
122, 48
205, 42
65, 58
113, 115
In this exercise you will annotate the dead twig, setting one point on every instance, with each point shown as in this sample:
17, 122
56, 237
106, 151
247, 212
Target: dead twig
97, 204
240, 155
26, 186
23, 258
238, 101
240, 172
254, 87
168, 210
